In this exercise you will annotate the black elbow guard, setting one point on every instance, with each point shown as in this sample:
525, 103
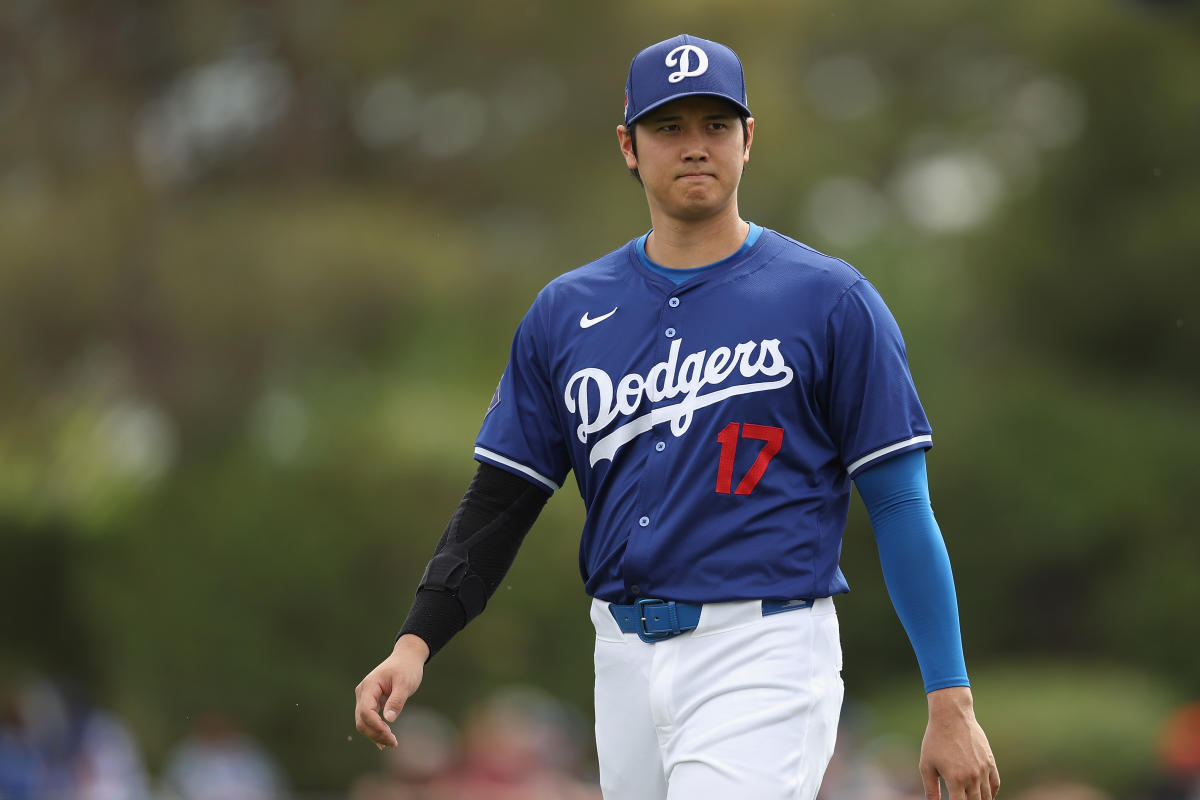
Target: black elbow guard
448, 571
474, 553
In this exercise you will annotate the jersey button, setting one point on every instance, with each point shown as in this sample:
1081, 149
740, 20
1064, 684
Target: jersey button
670, 333
644, 521
635, 589
673, 302
660, 446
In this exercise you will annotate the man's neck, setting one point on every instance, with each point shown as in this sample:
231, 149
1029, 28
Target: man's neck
684, 244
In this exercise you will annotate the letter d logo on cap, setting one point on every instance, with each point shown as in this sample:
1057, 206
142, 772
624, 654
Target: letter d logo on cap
684, 60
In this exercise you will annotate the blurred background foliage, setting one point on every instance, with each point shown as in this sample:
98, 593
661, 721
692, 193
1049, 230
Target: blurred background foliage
260, 262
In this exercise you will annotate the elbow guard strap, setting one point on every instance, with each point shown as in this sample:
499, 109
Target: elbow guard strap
449, 571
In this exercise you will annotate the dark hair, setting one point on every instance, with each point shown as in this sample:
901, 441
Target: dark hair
633, 142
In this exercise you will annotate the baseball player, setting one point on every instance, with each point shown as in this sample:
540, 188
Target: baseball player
715, 387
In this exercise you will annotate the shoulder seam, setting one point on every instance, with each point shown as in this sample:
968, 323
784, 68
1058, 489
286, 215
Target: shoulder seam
842, 296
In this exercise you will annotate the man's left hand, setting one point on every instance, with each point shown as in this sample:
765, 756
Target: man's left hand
956, 749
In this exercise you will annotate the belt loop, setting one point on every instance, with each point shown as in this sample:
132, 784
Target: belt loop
770, 607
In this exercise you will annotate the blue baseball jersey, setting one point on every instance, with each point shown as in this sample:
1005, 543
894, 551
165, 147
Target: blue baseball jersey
713, 426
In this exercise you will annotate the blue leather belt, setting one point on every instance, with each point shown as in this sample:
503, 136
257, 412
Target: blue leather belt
654, 620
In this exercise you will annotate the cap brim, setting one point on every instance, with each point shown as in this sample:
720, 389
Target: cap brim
660, 103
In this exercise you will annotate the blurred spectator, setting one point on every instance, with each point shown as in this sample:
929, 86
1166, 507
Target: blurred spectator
55, 744
107, 764
1179, 754
1062, 790
884, 768
520, 745
424, 753
217, 761
22, 772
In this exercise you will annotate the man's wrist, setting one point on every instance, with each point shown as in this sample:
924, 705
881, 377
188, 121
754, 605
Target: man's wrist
409, 644
951, 700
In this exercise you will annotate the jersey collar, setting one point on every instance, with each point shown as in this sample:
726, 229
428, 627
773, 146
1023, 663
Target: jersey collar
679, 277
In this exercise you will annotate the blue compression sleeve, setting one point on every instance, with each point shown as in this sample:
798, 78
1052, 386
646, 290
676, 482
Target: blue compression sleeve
916, 566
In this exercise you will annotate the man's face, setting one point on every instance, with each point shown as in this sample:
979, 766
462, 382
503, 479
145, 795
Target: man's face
690, 156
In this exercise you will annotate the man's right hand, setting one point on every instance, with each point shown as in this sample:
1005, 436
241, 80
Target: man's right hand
388, 687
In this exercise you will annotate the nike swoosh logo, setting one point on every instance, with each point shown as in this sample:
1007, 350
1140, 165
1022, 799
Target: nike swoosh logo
586, 322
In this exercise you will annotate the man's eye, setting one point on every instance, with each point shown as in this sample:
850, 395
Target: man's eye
720, 126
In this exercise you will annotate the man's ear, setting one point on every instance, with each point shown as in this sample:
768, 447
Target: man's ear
625, 140
749, 139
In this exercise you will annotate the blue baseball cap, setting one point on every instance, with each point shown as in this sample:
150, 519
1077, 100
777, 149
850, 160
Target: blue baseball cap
679, 67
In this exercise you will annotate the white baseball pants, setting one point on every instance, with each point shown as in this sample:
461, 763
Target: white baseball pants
744, 706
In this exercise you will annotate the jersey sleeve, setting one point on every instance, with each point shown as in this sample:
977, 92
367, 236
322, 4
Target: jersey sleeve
520, 431
873, 408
